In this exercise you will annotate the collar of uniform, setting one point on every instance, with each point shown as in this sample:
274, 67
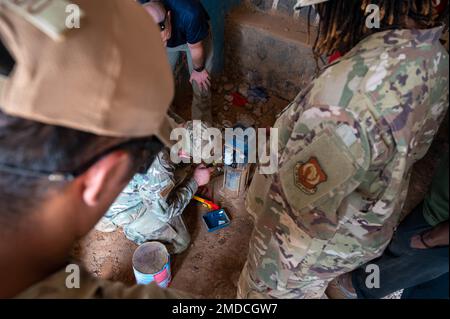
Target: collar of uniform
400, 37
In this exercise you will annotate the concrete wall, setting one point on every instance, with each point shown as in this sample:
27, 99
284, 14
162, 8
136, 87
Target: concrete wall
217, 10
269, 50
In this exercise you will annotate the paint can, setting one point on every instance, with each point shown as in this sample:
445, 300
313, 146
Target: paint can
151, 263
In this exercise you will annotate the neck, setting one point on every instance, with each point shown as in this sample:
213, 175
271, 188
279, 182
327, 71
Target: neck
29, 254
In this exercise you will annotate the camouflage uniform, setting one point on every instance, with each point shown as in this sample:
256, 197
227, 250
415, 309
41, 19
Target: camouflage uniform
54, 287
151, 206
346, 148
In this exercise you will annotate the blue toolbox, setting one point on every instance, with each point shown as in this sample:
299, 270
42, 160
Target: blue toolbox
216, 220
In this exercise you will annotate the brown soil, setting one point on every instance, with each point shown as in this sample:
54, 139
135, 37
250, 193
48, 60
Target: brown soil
209, 268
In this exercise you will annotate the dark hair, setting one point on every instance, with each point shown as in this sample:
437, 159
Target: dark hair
342, 22
6, 60
34, 146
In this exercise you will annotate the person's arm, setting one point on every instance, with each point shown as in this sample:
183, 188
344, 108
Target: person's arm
436, 237
158, 184
179, 198
327, 157
176, 203
91, 287
198, 55
199, 74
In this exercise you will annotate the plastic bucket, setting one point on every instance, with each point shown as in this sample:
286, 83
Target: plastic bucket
151, 263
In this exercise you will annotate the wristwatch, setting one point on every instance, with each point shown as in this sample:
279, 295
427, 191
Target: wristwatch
200, 69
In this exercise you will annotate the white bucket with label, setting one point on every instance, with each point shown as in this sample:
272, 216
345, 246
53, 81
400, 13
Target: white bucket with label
151, 263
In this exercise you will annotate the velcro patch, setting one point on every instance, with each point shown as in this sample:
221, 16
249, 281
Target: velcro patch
166, 190
317, 171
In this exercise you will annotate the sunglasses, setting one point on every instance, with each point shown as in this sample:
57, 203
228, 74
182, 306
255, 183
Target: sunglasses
143, 151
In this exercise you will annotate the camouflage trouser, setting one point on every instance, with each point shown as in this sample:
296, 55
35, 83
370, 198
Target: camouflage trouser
299, 263
201, 103
248, 288
297, 259
310, 281
173, 234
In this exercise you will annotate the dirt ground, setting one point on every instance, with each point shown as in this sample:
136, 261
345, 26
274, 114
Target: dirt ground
211, 266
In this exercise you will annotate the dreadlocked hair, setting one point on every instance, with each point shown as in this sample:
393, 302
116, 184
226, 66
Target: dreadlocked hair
343, 22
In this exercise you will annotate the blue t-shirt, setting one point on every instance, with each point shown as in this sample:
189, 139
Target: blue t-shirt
190, 21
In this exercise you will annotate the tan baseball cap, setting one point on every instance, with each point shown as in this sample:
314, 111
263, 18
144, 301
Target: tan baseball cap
109, 77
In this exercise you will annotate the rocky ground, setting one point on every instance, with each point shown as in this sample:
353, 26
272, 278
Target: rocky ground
211, 266
235, 102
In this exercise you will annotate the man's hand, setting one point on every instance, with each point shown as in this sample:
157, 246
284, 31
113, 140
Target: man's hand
436, 237
202, 79
198, 60
202, 175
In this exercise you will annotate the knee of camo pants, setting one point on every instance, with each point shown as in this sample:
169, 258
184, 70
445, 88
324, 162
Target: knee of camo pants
180, 239
180, 243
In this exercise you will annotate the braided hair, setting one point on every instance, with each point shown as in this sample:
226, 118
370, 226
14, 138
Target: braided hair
343, 22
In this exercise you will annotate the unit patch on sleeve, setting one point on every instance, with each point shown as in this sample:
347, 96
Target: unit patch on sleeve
309, 175
320, 169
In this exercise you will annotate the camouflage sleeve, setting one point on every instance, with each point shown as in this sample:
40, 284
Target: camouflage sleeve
177, 201
55, 287
160, 193
325, 159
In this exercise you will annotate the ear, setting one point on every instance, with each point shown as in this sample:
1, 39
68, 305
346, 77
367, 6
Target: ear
106, 178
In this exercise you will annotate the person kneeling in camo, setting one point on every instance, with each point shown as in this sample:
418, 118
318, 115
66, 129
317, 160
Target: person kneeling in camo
151, 206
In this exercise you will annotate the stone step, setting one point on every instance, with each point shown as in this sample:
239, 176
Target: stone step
269, 50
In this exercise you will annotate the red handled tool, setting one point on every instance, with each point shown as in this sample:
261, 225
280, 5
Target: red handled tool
207, 203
